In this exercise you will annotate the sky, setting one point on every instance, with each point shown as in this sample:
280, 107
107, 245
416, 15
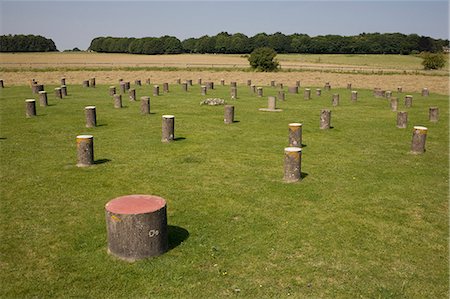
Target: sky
73, 24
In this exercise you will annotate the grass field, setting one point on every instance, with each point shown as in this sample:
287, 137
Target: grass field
368, 220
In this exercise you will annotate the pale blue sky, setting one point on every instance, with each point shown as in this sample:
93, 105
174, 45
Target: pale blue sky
75, 23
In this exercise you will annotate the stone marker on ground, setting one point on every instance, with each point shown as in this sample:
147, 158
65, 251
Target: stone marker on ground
86, 83
184, 86
234, 93
85, 150
325, 119
43, 101
123, 87
166, 87
168, 128
156, 90
145, 105
30, 108
402, 119
272, 83
425, 92
1, 84
335, 100
137, 82
295, 134
189, 82
388, 94
136, 227
92, 82
210, 85
127, 85
199, 81
280, 85
408, 101
307, 94
433, 114
178, 81
418, 139
271, 105
203, 90
233, 84
58, 93
293, 89
354, 96
228, 114
64, 90
327, 86
292, 164
36, 88
91, 116
117, 101
393, 103
253, 88
259, 91
132, 94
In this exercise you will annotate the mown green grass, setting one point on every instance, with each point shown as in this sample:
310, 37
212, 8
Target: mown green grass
369, 219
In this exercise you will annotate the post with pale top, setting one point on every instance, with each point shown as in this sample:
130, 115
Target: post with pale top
58, 93
394, 103
168, 128
307, 94
166, 87
112, 90
318, 92
418, 139
64, 90
43, 102
85, 150
91, 116
132, 94
229, 114
155, 90
425, 92
259, 91
295, 134
30, 107
117, 101
354, 96
408, 101
325, 119
433, 114
292, 164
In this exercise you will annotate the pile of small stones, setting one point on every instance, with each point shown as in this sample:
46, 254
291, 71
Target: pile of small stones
213, 102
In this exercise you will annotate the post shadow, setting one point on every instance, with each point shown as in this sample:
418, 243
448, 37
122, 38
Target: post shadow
101, 161
176, 235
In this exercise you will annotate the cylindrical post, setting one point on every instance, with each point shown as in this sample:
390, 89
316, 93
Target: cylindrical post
281, 95
58, 93
408, 101
210, 85
402, 119
325, 119
394, 103
189, 82
147, 81
307, 94
203, 90
229, 114
30, 107
168, 128
425, 92
280, 85
388, 94
1, 84
86, 83
400, 89
433, 114
137, 82
91, 116
166, 87
92, 82
249, 82
117, 101
85, 150
43, 102
184, 86
36, 88
127, 85
233, 84
418, 139
178, 81
349, 86
335, 99
293, 89
121, 80
222, 82
155, 90
199, 81
354, 96
123, 87
112, 90
64, 90
295, 134
327, 86
297, 83
318, 92
253, 88
63, 81
272, 83
292, 164
132, 94
272, 103
145, 105
259, 91
234, 93
136, 226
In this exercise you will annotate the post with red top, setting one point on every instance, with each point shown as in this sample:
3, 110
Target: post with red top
137, 227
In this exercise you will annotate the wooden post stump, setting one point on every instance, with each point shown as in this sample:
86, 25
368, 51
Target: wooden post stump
137, 82
145, 105
86, 83
408, 101
168, 128
418, 139
92, 82
43, 101
307, 94
229, 114
354, 96
85, 150
394, 104
132, 94
295, 134
402, 119
30, 107
259, 91
327, 86
325, 119
297, 83
349, 86
63, 81
184, 86
112, 90
203, 90
292, 164
281, 95
64, 90
156, 90
318, 92
433, 114
91, 116
425, 92
117, 101
166, 87
58, 93
136, 226
234, 93
335, 100
293, 89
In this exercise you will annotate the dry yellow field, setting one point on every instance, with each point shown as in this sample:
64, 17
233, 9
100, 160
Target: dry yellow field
70, 65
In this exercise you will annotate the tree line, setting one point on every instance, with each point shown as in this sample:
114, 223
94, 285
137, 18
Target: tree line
26, 43
238, 43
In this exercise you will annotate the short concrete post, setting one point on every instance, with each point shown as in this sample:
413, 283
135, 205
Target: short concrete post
295, 134
117, 101
209, 85
297, 83
64, 90
318, 92
433, 114
293, 89
178, 81
259, 91
147, 81
408, 101
292, 164
58, 93
91, 116
222, 82
307, 94
112, 90
43, 102
388, 94
145, 105
189, 82
199, 81
249, 82
92, 82
233, 84
402, 119
123, 87
168, 128
399, 89
156, 90
127, 85
86, 83
85, 150
30, 107
229, 114
280, 85
349, 86
132, 94
184, 86
36, 88
272, 103
281, 95
272, 83
327, 86
234, 93
325, 119
335, 100
354, 96
137, 82
394, 103
203, 90
425, 92
253, 88
63, 81
136, 226
418, 139
166, 87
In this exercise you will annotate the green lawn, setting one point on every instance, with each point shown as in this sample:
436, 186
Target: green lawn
369, 219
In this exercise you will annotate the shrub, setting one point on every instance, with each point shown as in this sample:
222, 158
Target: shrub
263, 59
433, 61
